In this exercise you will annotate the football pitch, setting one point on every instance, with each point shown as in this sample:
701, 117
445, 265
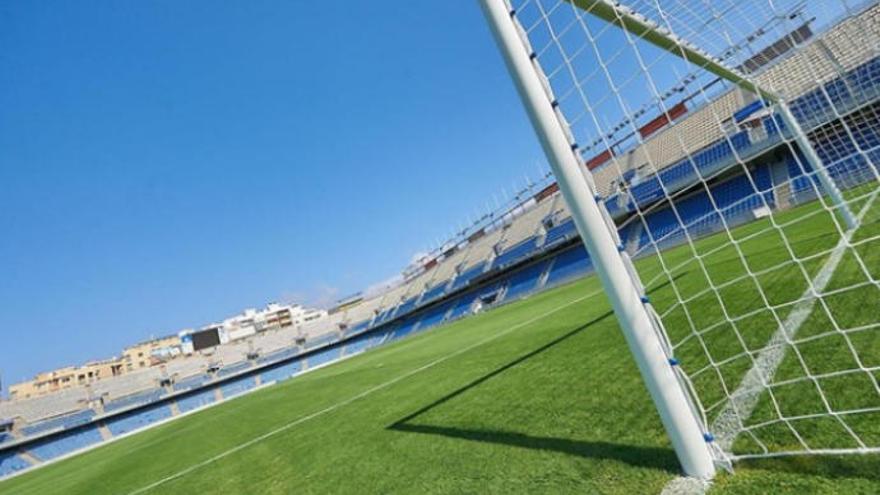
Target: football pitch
538, 396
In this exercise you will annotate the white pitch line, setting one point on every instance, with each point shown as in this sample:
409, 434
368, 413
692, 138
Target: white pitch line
744, 399
354, 398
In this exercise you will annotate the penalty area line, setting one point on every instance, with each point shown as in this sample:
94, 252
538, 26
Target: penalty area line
356, 397
742, 402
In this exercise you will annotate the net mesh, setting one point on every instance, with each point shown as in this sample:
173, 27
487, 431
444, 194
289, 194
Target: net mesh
716, 133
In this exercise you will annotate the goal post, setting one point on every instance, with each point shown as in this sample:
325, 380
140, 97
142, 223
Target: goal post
726, 155
627, 298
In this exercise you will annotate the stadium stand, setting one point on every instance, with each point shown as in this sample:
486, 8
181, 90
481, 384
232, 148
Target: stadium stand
195, 401
404, 328
434, 292
358, 344
237, 386
435, 315
462, 306
65, 443
483, 249
191, 382
793, 76
515, 253
128, 383
321, 340
406, 306
278, 355
560, 233
135, 420
446, 269
38, 408
128, 401
570, 263
281, 372
11, 462
60, 422
525, 281
467, 275
323, 356
232, 369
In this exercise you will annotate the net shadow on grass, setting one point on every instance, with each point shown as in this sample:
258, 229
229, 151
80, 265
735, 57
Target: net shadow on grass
639, 456
658, 458
837, 467
479, 381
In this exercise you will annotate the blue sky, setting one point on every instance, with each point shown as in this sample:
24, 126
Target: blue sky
166, 164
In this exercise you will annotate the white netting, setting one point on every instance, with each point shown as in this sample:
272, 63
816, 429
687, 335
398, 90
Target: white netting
718, 133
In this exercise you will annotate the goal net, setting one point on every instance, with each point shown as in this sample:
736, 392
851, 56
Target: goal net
732, 146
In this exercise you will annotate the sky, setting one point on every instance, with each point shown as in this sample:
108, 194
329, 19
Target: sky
167, 164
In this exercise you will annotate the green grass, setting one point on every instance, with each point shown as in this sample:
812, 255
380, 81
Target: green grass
539, 396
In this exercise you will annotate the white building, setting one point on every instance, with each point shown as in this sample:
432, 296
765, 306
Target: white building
250, 322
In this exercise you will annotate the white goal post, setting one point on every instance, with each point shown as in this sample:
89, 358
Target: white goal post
731, 148
626, 297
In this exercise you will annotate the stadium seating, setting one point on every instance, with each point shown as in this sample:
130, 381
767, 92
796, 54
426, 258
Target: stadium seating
139, 398
130, 382
527, 223
11, 462
194, 401
434, 292
274, 340
515, 253
60, 422
356, 328
445, 270
278, 355
321, 341
358, 344
281, 372
404, 328
191, 382
710, 149
524, 281
483, 248
560, 233
435, 315
570, 263
65, 443
232, 352
323, 357
135, 420
467, 275
462, 306
406, 307
237, 386
234, 368
47, 406
186, 366
363, 313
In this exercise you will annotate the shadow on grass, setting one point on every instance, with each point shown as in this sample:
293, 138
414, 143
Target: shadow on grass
836, 467
647, 457
479, 381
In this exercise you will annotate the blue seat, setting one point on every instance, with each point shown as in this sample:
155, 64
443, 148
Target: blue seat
131, 421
